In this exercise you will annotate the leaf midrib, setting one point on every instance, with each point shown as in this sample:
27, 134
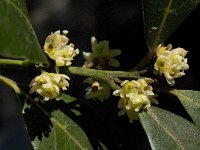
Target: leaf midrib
56, 122
166, 13
185, 97
159, 122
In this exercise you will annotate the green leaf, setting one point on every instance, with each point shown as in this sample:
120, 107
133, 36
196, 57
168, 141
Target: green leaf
65, 134
18, 40
51, 126
162, 18
67, 98
191, 101
168, 131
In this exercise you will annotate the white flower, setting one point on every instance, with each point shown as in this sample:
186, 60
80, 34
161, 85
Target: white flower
134, 96
49, 91
57, 48
171, 62
63, 57
49, 85
60, 80
98, 90
101, 56
54, 42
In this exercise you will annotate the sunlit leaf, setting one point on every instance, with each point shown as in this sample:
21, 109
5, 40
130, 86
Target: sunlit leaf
191, 101
18, 40
168, 131
53, 126
162, 18
65, 134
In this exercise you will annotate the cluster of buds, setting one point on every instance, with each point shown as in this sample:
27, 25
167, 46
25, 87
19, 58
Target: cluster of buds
99, 90
57, 48
171, 62
134, 96
49, 85
101, 57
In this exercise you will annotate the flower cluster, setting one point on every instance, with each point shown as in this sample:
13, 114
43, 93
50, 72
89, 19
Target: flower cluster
101, 56
171, 62
49, 85
134, 96
57, 48
98, 90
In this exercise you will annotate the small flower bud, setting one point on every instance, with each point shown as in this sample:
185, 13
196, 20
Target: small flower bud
98, 90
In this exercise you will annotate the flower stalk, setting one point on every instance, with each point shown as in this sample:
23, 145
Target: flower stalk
15, 62
107, 76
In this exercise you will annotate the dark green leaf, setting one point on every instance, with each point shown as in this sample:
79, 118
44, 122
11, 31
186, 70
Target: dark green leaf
168, 131
162, 18
65, 134
67, 98
18, 40
191, 101
51, 126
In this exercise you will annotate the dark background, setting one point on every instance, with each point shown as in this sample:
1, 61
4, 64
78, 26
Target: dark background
121, 23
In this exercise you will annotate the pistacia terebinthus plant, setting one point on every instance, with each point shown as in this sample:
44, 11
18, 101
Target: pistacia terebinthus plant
135, 95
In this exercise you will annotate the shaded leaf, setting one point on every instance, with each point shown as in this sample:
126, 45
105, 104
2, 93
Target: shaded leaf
191, 101
166, 130
65, 134
18, 40
67, 98
162, 18
50, 126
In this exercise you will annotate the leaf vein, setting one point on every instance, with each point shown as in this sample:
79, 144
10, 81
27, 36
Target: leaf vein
68, 133
178, 93
166, 13
166, 129
55, 138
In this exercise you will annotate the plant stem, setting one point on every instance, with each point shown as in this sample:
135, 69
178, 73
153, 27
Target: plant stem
57, 69
107, 76
12, 62
10, 83
102, 73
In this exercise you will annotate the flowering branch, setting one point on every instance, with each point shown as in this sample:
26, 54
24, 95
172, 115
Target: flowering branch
13, 62
107, 76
